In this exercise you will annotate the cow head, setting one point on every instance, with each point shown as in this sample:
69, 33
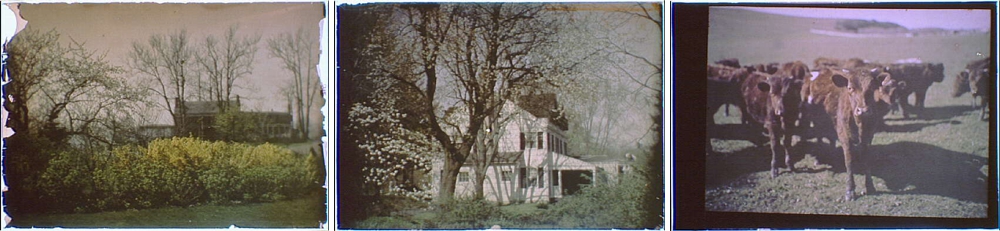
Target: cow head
783, 92
961, 85
934, 71
886, 93
860, 88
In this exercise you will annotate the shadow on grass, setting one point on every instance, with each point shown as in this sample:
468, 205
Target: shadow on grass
752, 133
722, 168
918, 168
914, 127
937, 113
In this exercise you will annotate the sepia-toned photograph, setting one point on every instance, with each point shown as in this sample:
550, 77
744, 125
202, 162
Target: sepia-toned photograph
500, 116
164, 116
850, 111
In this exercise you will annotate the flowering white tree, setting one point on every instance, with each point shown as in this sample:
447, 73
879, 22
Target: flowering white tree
394, 155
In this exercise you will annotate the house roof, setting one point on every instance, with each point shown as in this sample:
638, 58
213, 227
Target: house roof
543, 105
559, 161
202, 107
539, 105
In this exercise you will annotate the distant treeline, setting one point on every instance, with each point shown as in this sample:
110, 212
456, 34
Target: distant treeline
854, 25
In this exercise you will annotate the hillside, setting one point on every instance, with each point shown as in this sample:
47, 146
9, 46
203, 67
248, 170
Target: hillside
755, 37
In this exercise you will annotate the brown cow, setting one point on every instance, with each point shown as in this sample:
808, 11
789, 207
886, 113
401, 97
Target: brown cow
823, 62
974, 79
770, 68
733, 62
724, 89
796, 69
850, 102
918, 78
773, 101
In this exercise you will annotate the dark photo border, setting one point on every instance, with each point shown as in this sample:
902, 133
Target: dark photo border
689, 32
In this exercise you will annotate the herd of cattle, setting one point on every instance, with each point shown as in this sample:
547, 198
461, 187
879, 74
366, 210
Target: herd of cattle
840, 100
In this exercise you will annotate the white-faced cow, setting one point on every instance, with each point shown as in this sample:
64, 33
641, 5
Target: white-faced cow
772, 101
975, 79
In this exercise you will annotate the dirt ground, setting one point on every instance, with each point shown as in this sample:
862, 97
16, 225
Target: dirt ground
934, 165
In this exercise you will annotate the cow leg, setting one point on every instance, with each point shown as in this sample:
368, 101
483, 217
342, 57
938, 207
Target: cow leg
973, 101
983, 107
788, 154
921, 94
789, 130
867, 163
904, 105
850, 170
775, 145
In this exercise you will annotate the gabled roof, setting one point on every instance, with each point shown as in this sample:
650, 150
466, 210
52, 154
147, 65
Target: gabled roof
544, 105
202, 107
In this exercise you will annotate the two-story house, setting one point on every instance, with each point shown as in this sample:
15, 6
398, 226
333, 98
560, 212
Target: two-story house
532, 162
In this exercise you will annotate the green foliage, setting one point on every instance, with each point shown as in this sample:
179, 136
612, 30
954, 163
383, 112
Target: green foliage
175, 172
238, 126
67, 180
464, 213
603, 206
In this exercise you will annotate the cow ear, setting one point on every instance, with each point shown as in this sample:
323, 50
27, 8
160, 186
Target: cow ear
885, 78
839, 80
764, 87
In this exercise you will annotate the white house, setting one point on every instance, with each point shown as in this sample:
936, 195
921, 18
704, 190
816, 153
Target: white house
532, 163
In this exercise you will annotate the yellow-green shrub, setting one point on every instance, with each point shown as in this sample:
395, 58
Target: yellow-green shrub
176, 172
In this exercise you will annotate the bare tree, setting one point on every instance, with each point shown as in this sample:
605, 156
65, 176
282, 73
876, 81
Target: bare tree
170, 63
298, 54
80, 95
489, 51
33, 57
226, 62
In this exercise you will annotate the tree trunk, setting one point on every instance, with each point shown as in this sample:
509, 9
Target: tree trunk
480, 178
448, 179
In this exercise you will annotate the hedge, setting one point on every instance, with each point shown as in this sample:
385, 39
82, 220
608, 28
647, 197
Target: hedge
176, 172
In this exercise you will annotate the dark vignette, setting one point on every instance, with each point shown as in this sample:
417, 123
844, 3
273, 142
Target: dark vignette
689, 31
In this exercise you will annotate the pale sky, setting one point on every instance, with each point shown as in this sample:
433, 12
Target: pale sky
112, 28
909, 18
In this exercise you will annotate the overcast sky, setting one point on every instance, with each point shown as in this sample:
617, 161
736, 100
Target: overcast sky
909, 18
112, 28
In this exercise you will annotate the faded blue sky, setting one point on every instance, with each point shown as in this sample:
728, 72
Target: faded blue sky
909, 18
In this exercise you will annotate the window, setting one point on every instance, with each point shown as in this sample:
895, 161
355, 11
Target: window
506, 175
521, 178
539, 140
522, 141
555, 178
463, 177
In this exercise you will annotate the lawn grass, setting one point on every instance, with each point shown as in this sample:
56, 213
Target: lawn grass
298, 213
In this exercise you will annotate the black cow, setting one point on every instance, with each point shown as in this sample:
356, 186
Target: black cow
773, 101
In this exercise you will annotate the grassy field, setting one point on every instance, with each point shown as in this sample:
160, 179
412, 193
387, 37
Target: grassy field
934, 165
299, 213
